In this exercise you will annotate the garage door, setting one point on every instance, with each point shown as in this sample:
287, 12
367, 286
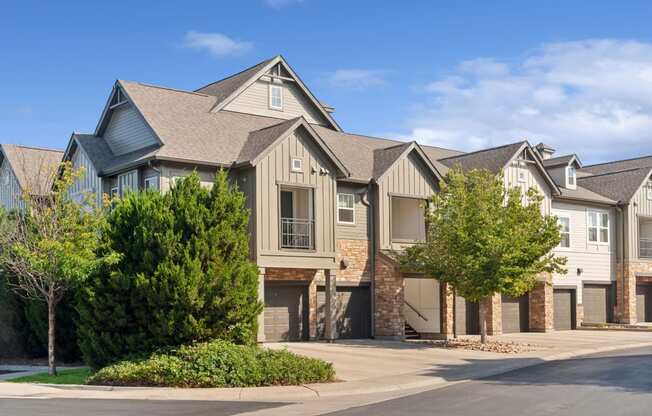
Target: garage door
467, 317
515, 314
353, 313
286, 312
644, 303
564, 309
595, 299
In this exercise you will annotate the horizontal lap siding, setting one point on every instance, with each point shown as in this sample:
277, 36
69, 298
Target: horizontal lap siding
127, 131
408, 177
255, 100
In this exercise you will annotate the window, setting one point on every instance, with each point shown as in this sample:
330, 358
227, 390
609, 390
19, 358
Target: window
297, 165
275, 97
345, 209
522, 175
598, 227
649, 191
151, 182
114, 192
571, 175
564, 231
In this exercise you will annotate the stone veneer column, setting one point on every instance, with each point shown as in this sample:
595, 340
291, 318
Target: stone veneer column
493, 312
626, 294
389, 295
541, 305
261, 298
313, 318
447, 299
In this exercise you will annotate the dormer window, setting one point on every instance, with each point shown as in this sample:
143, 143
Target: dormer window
571, 176
649, 191
276, 97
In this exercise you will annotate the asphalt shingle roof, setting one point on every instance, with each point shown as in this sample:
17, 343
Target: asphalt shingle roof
493, 159
619, 165
557, 161
34, 167
618, 186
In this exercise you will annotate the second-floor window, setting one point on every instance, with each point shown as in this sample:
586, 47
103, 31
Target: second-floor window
571, 175
275, 97
345, 209
151, 182
564, 231
649, 191
598, 227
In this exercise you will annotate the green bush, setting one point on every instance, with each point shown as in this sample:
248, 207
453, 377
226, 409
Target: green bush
184, 274
216, 364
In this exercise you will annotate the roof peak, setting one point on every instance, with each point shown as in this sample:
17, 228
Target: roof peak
45, 149
618, 161
486, 150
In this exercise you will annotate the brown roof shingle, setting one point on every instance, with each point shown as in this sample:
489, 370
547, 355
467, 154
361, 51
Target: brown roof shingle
34, 167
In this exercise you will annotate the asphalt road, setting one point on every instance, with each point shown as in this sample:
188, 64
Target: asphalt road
615, 383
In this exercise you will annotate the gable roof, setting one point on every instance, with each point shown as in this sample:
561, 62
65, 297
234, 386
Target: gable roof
34, 167
385, 159
493, 159
619, 165
227, 89
619, 186
561, 160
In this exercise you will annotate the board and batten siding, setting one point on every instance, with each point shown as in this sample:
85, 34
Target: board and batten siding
10, 191
597, 261
533, 178
639, 209
408, 177
255, 100
246, 181
273, 173
128, 181
126, 131
88, 183
361, 229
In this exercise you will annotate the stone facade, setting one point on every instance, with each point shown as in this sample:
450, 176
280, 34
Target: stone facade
447, 311
354, 261
389, 295
493, 309
627, 276
541, 310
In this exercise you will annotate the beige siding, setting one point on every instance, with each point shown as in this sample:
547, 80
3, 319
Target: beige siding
597, 261
88, 183
10, 191
640, 208
409, 177
533, 178
127, 131
272, 173
359, 230
170, 172
255, 100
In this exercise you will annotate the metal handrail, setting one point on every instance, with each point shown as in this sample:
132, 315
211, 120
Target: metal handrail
297, 233
422, 316
645, 248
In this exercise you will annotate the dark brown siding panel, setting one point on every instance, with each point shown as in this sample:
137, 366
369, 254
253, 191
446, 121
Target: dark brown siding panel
596, 301
515, 314
286, 312
564, 309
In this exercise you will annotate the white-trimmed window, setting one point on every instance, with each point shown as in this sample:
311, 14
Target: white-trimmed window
522, 175
297, 165
572, 175
345, 208
115, 192
276, 97
151, 182
564, 231
598, 227
649, 191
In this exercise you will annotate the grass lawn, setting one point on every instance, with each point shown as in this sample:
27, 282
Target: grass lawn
78, 376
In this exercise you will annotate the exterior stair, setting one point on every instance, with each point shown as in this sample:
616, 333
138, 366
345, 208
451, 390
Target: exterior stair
411, 333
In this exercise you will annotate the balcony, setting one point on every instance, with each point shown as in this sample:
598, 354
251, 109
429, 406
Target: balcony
297, 222
407, 221
297, 233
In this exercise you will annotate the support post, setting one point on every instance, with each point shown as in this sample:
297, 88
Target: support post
261, 298
330, 306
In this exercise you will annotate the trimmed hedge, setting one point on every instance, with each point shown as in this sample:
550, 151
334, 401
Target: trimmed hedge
216, 364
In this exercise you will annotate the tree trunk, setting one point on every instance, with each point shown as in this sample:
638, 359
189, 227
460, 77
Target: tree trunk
483, 324
52, 368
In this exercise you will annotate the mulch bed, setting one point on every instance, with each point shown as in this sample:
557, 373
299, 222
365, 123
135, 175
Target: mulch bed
473, 345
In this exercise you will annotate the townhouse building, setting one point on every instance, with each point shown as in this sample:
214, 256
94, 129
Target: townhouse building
330, 209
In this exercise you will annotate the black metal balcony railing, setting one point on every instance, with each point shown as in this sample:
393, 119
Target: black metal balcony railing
645, 248
297, 233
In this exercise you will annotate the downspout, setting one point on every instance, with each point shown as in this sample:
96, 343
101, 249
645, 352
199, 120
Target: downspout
372, 273
621, 259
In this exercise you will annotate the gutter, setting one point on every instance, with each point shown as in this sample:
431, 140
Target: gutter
372, 272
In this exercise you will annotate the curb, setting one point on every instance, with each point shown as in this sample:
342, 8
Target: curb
330, 390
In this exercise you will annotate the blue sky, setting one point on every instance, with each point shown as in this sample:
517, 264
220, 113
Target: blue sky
464, 75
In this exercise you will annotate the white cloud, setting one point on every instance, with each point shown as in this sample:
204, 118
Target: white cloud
591, 97
216, 44
277, 4
357, 79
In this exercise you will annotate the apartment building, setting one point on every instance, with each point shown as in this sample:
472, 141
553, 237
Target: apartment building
330, 209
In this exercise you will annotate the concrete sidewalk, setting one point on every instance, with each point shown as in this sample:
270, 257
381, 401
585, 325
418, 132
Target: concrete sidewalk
369, 367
